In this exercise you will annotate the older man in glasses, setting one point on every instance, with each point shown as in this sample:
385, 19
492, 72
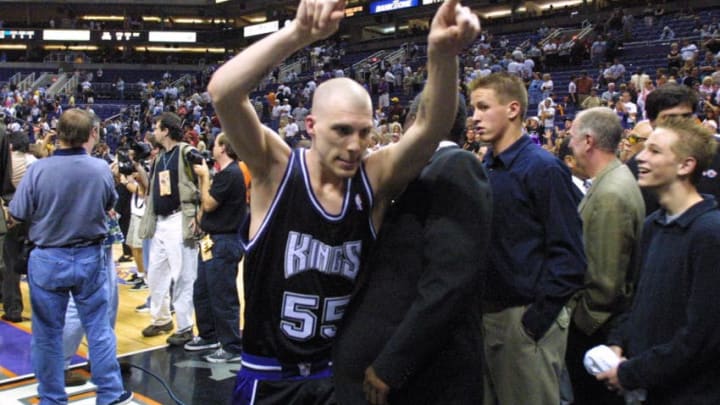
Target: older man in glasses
634, 143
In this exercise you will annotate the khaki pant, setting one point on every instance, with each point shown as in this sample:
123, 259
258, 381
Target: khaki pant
518, 370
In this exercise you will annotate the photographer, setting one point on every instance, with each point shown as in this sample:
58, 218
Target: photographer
215, 296
130, 173
170, 223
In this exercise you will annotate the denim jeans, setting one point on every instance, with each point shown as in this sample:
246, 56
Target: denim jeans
54, 274
74, 331
217, 307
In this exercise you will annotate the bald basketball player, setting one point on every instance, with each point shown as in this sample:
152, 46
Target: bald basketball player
314, 212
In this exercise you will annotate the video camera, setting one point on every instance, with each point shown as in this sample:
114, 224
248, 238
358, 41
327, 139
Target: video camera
196, 157
126, 165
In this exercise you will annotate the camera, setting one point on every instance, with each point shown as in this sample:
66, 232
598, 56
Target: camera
125, 164
196, 157
142, 150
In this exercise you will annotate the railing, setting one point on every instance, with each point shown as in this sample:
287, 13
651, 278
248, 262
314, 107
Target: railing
377, 55
637, 44
15, 79
59, 84
42, 81
26, 83
294, 67
396, 56
182, 80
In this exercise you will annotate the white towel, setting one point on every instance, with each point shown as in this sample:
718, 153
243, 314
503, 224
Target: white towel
600, 359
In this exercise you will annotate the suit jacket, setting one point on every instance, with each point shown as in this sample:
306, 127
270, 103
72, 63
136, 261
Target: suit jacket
613, 212
415, 316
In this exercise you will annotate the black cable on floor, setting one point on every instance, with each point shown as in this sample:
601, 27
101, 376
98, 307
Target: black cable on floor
161, 381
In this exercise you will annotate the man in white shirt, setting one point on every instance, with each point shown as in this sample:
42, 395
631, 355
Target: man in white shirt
547, 113
688, 51
630, 107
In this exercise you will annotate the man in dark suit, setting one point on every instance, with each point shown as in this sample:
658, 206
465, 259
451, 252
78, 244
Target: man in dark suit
412, 331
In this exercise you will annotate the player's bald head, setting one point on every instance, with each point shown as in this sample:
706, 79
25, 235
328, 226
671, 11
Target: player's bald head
341, 93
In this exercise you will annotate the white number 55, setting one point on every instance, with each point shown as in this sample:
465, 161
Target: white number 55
299, 320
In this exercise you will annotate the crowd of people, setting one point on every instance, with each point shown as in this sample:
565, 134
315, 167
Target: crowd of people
451, 250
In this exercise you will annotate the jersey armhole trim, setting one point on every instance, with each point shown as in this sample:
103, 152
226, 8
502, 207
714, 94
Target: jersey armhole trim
271, 211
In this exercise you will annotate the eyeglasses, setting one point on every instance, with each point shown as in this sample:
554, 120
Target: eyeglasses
635, 139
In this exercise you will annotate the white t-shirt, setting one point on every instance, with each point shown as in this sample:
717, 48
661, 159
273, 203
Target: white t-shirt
137, 205
688, 51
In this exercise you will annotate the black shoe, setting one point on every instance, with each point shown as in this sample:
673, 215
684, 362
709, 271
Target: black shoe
135, 279
197, 343
14, 318
125, 258
74, 379
125, 398
140, 286
154, 330
180, 338
143, 308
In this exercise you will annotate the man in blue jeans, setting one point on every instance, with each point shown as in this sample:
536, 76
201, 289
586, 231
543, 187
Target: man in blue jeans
67, 225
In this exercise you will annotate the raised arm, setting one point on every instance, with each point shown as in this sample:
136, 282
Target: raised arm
258, 146
391, 168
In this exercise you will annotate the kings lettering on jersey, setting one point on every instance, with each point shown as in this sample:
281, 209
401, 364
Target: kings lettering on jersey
305, 253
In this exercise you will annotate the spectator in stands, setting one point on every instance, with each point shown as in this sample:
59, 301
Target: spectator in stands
383, 93
120, 88
615, 72
516, 66
547, 85
708, 65
550, 50
627, 26
674, 58
592, 101
572, 96
547, 113
668, 341
584, 85
630, 107
598, 50
690, 77
667, 34
689, 50
610, 94
299, 113
291, 130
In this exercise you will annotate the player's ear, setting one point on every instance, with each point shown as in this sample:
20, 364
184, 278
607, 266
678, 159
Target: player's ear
310, 124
